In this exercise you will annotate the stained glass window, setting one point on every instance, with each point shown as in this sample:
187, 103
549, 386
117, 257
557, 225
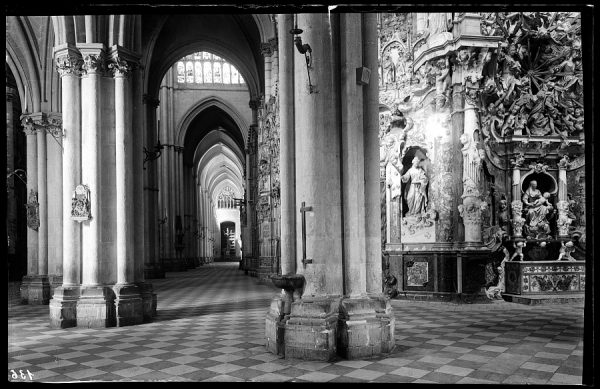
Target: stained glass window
180, 72
203, 67
189, 71
234, 76
217, 73
198, 71
226, 74
207, 72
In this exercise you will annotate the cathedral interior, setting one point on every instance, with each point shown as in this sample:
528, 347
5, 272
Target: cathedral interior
310, 197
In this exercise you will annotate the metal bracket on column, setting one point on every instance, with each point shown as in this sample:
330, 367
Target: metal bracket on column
303, 211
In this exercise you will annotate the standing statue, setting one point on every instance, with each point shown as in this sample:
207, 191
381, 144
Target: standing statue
495, 292
537, 207
415, 192
438, 22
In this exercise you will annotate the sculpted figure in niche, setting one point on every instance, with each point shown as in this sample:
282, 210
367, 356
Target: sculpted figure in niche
537, 207
415, 193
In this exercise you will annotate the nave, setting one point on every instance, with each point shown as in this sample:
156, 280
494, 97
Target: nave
210, 326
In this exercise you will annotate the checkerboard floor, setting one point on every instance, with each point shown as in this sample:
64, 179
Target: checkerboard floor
210, 327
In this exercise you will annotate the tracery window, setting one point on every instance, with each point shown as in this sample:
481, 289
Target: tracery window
226, 198
206, 68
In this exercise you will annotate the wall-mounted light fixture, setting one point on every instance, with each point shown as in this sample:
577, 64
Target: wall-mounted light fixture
303, 49
152, 155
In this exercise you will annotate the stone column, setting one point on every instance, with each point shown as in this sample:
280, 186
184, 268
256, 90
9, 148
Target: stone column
55, 206
152, 244
564, 221
43, 211
11, 201
371, 152
128, 302
95, 307
471, 207
31, 293
352, 158
266, 51
311, 330
517, 205
63, 312
275, 64
142, 208
287, 146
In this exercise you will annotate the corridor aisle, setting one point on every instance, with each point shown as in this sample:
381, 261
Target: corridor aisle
210, 326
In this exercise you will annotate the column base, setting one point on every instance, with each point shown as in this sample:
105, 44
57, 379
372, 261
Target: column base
149, 301
311, 330
96, 307
63, 307
128, 305
275, 323
366, 328
55, 281
35, 290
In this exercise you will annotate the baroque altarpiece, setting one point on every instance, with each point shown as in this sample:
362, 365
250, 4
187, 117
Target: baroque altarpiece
482, 154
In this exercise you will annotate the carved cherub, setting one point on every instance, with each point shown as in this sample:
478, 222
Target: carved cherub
565, 251
518, 251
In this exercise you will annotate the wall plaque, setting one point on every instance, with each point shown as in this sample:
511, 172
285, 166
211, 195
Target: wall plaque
80, 204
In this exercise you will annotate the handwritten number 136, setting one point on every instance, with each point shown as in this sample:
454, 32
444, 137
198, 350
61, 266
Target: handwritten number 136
21, 375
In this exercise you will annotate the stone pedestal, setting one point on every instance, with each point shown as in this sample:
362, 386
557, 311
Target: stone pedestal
35, 290
311, 330
95, 307
128, 304
366, 328
63, 307
149, 301
275, 324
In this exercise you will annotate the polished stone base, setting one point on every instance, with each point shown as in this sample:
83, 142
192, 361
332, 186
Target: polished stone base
545, 299
128, 304
446, 297
311, 330
35, 290
275, 323
96, 307
149, 301
366, 328
63, 307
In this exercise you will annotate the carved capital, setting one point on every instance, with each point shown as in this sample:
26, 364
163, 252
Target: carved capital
42, 122
273, 43
564, 164
254, 104
518, 161
121, 67
93, 63
68, 64
266, 49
